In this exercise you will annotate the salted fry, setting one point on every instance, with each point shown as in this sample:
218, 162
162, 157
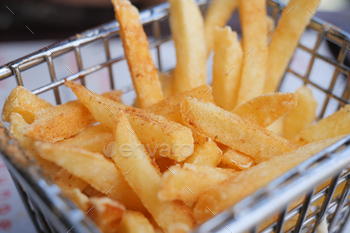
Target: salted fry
166, 80
303, 115
143, 176
227, 65
135, 222
80, 199
92, 192
336, 124
227, 193
270, 25
143, 72
187, 29
277, 126
170, 107
60, 122
152, 130
254, 42
188, 182
98, 171
106, 213
233, 131
294, 19
217, 15
266, 109
205, 151
68, 181
25, 103
115, 95
235, 160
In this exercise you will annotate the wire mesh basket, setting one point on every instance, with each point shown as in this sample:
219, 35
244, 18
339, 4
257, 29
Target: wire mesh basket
51, 211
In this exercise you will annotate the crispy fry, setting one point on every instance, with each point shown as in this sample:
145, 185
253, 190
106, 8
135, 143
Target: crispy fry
277, 126
205, 151
302, 116
135, 222
141, 66
294, 19
254, 42
188, 182
17, 127
115, 95
235, 160
217, 15
80, 199
166, 80
228, 58
187, 29
233, 131
336, 124
270, 25
143, 176
25, 103
106, 213
170, 107
164, 163
68, 181
153, 130
92, 192
265, 109
98, 171
60, 122
230, 191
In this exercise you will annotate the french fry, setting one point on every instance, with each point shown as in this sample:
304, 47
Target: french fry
152, 130
270, 25
294, 19
143, 72
302, 116
254, 42
187, 29
222, 195
205, 151
25, 103
166, 80
188, 182
68, 181
60, 122
233, 131
92, 192
80, 199
227, 65
143, 176
277, 126
217, 15
98, 171
115, 95
106, 213
170, 107
266, 109
235, 160
135, 222
17, 127
336, 124
164, 163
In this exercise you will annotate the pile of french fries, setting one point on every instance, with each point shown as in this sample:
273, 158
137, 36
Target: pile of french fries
190, 150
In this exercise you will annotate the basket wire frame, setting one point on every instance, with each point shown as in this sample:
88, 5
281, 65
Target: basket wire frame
245, 216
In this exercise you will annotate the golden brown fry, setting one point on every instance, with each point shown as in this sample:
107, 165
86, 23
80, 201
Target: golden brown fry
294, 19
80, 199
98, 171
254, 42
227, 193
265, 109
227, 65
270, 26
188, 182
302, 116
153, 130
277, 126
106, 213
233, 131
170, 107
217, 15
166, 80
25, 103
17, 127
141, 66
135, 222
187, 29
92, 192
205, 151
115, 95
336, 124
60, 122
235, 160
164, 163
68, 181
142, 174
